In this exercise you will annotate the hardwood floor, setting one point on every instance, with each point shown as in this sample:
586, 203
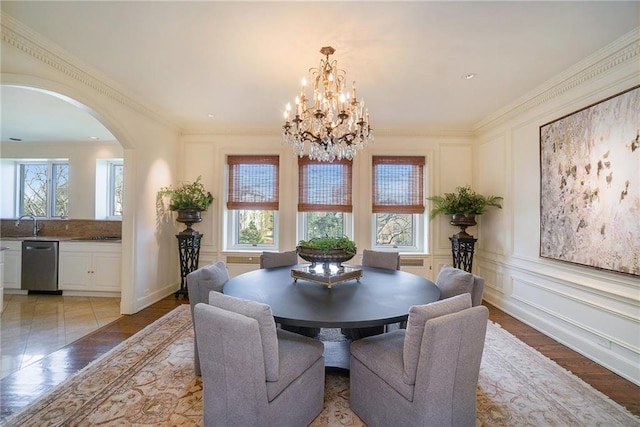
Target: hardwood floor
24, 386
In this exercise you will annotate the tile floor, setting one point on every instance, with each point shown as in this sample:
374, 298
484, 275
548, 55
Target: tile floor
33, 326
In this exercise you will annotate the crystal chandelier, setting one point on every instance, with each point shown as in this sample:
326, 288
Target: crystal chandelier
335, 124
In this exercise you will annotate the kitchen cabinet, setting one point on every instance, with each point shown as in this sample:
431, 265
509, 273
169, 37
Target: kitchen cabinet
2, 249
90, 266
11, 268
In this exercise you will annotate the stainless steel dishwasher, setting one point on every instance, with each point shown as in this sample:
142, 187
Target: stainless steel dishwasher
40, 266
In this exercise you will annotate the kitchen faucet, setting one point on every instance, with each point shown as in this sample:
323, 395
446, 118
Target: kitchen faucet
36, 227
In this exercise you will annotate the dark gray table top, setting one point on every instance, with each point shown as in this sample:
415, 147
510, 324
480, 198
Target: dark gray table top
380, 297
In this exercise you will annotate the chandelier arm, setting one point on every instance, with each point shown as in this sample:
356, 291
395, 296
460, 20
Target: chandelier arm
311, 138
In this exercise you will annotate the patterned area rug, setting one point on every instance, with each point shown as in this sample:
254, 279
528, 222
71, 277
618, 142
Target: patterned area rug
149, 380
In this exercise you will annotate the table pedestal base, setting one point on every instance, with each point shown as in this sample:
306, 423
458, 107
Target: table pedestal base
337, 354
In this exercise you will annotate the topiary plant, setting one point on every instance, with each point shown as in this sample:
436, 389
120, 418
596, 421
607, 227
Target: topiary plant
464, 201
325, 244
187, 196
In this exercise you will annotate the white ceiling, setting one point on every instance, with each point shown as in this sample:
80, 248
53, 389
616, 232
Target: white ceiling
243, 61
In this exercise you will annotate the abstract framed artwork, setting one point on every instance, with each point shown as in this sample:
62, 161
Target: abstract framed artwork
590, 185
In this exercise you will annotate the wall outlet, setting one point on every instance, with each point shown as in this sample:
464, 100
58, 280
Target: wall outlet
603, 342
146, 291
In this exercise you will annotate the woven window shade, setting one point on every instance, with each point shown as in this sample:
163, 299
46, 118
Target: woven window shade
324, 187
398, 184
253, 182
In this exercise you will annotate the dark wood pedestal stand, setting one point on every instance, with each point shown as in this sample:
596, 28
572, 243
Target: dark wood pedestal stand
189, 250
462, 251
463, 244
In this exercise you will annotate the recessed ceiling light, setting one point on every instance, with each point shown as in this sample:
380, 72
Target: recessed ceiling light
210, 115
94, 138
468, 76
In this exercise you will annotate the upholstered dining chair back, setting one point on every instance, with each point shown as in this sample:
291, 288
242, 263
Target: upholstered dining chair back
200, 283
380, 259
253, 373
425, 375
454, 281
278, 259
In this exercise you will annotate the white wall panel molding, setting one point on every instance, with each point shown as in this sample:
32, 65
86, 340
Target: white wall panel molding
438, 262
603, 349
610, 285
31, 43
625, 50
626, 310
493, 276
490, 166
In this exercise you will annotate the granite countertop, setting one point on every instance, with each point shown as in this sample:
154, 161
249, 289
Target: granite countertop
96, 239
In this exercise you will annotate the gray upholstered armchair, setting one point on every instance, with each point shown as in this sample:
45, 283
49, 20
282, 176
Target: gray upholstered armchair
200, 283
425, 375
454, 281
252, 373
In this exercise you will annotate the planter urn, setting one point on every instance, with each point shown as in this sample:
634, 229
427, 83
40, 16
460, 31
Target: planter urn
189, 217
463, 221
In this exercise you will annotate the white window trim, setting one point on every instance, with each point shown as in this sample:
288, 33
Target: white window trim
50, 186
111, 164
418, 233
230, 217
421, 221
231, 220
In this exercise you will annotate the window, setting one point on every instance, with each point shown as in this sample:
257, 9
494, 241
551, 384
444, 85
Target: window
115, 176
398, 202
324, 198
109, 188
252, 201
43, 190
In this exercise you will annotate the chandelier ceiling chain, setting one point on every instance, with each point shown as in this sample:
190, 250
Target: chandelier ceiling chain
334, 124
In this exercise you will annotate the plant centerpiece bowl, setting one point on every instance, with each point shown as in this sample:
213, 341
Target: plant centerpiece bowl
463, 205
189, 199
326, 250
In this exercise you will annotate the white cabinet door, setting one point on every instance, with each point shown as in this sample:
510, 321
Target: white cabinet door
1, 279
75, 271
12, 269
90, 266
106, 272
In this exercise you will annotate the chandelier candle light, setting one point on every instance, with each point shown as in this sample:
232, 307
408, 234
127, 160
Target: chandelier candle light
336, 124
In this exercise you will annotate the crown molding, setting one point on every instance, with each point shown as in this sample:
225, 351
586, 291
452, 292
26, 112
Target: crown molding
38, 47
624, 50
277, 131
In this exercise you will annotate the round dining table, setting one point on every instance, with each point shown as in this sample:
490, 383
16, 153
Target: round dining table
378, 297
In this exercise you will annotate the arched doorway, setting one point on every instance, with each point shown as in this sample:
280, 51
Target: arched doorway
63, 102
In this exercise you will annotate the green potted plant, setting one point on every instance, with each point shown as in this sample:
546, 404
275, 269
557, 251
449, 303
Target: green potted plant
189, 199
463, 205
